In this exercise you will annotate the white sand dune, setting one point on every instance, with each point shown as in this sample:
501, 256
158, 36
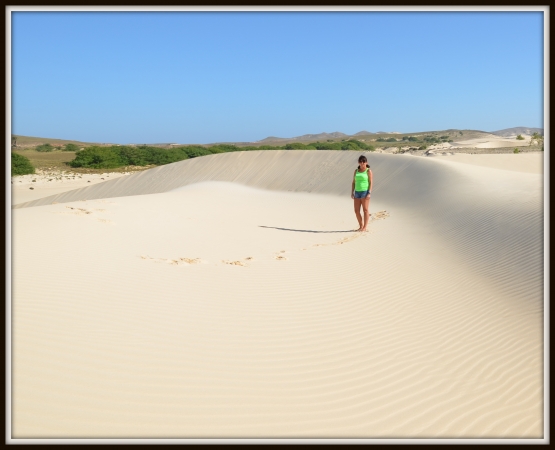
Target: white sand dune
26, 188
226, 296
521, 162
492, 142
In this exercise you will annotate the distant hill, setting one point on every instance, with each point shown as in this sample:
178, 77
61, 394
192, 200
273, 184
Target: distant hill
31, 141
307, 137
517, 130
363, 133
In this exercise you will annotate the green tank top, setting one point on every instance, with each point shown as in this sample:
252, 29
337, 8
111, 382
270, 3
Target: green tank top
362, 181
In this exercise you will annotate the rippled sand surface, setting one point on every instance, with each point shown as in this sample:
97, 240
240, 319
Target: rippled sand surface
227, 296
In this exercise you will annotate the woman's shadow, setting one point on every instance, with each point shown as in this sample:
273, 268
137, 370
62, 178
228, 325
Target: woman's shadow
307, 231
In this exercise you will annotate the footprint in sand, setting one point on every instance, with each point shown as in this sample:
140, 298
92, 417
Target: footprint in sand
380, 215
76, 211
174, 262
348, 239
239, 263
181, 261
279, 256
235, 263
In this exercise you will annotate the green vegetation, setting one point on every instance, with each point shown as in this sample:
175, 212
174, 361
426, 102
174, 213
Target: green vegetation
432, 139
44, 148
409, 138
536, 137
519, 137
516, 150
46, 160
423, 147
96, 157
21, 165
70, 148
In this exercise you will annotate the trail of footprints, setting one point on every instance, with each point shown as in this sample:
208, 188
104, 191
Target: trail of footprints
73, 210
279, 256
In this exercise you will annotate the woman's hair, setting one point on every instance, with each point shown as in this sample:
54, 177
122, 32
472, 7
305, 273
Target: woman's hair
362, 159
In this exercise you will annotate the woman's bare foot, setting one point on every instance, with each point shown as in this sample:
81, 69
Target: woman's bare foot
363, 229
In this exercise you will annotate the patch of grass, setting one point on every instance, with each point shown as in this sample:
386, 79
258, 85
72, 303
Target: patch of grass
47, 160
516, 150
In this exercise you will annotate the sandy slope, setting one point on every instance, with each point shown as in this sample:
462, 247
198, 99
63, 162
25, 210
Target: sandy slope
180, 302
45, 183
521, 162
492, 141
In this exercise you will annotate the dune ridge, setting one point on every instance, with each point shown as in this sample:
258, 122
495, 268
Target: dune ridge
413, 184
429, 325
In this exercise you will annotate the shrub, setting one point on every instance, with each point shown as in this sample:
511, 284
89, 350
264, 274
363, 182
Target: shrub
44, 148
97, 158
519, 137
391, 140
412, 139
160, 156
223, 148
193, 151
423, 147
265, 147
516, 150
131, 156
71, 148
536, 137
299, 146
21, 165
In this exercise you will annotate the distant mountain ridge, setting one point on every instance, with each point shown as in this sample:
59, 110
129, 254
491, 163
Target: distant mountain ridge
517, 130
322, 136
307, 137
30, 141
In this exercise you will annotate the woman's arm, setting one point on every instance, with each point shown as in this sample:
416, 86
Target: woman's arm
370, 179
353, 185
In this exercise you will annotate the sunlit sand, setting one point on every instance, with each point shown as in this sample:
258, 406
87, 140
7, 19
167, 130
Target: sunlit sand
227, 296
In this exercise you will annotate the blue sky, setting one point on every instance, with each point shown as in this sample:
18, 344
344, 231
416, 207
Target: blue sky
192, 77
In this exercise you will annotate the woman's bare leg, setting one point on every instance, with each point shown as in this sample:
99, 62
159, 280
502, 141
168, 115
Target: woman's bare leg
366, 209
358, 202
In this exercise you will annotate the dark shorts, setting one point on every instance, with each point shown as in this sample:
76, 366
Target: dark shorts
362, 194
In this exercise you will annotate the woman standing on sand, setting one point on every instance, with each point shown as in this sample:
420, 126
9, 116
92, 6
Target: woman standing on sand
361, 190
